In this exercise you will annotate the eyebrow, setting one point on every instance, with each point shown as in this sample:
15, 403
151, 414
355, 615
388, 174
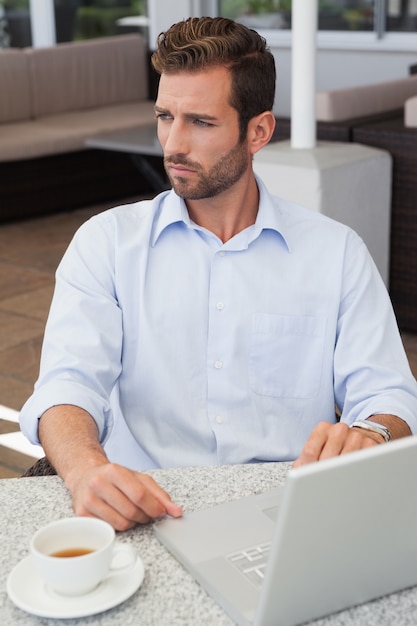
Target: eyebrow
191, 115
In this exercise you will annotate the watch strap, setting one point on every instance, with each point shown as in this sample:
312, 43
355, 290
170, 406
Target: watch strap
373, 427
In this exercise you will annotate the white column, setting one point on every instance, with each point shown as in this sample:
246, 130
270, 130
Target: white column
42, 20
303, 73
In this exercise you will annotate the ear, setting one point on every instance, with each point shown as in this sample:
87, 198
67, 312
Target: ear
260, 129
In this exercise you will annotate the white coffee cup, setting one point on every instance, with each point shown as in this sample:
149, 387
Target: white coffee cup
76, 554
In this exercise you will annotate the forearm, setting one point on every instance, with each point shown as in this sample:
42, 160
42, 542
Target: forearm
69, 437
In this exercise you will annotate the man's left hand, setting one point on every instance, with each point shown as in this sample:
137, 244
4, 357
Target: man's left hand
327, 440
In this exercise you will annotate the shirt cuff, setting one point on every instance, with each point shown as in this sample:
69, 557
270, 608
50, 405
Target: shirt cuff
65, 392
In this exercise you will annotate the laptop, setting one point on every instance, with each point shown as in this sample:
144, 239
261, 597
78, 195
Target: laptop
338, 533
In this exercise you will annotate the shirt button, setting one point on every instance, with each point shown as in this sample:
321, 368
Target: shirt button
222, 253
220, 306
219, 419
218, 365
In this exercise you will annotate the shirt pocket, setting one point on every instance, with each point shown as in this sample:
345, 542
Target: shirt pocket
286, 355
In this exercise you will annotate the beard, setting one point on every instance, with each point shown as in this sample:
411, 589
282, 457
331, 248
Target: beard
208, 184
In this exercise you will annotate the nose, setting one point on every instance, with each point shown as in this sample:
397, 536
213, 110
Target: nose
173, 138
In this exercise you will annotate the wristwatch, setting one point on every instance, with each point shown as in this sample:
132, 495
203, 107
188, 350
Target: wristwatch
373, 427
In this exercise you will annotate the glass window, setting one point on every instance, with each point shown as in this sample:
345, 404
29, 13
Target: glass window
346, 15
402, 15
74, 19
258, 13
334, 15
15, 24
89, 19
4, 35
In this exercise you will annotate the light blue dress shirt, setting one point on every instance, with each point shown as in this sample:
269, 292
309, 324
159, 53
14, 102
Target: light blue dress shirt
188, 351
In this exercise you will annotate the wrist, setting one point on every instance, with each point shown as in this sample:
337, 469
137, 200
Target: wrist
77, 472
376, 431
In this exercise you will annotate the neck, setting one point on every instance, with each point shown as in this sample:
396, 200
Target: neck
229, 213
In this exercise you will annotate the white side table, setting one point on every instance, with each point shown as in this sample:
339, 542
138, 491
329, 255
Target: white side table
348, 182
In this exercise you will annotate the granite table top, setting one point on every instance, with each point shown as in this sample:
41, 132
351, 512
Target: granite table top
168, 596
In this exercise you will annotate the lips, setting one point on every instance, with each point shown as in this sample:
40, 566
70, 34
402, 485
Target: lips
179, 170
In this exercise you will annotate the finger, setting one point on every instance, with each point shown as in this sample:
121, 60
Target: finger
329, 440
314, 445
118, 495
358, 440
94, 506
336, 437
325, 441
98, 496
130, 493
147, 497
162, 496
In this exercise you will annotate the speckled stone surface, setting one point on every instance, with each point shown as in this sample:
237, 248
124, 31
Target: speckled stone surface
168, 595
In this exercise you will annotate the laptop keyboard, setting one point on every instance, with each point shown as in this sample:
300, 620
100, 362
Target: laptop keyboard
252, 562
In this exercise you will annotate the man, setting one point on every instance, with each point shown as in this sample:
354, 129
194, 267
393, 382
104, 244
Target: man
215, 324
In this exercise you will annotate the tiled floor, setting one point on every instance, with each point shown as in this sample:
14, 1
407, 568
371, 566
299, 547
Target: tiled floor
29, 254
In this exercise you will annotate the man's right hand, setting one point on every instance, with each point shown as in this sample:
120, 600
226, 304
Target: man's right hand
119, 495
99, 488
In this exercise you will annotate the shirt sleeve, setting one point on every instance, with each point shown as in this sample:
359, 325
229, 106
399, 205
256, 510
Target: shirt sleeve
371, 370
81, 354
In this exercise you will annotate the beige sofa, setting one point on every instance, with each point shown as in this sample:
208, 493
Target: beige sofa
52, 100
365, 100
410, 112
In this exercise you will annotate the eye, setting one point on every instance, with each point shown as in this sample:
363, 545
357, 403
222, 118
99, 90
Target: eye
202, 123
163, 116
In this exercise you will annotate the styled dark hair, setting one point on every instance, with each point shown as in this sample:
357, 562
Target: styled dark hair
196, 44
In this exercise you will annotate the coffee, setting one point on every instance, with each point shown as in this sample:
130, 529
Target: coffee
70, 552
75, 537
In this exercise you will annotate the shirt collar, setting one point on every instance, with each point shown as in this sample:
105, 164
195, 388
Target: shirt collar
271, 214
172, 209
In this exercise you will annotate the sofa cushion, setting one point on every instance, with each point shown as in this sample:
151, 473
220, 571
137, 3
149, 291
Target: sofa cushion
15, 103
344, 104
67, 132
88, 74
24, 140
410, 112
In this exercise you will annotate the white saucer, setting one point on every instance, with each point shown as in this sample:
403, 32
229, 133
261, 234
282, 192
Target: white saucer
28, 592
